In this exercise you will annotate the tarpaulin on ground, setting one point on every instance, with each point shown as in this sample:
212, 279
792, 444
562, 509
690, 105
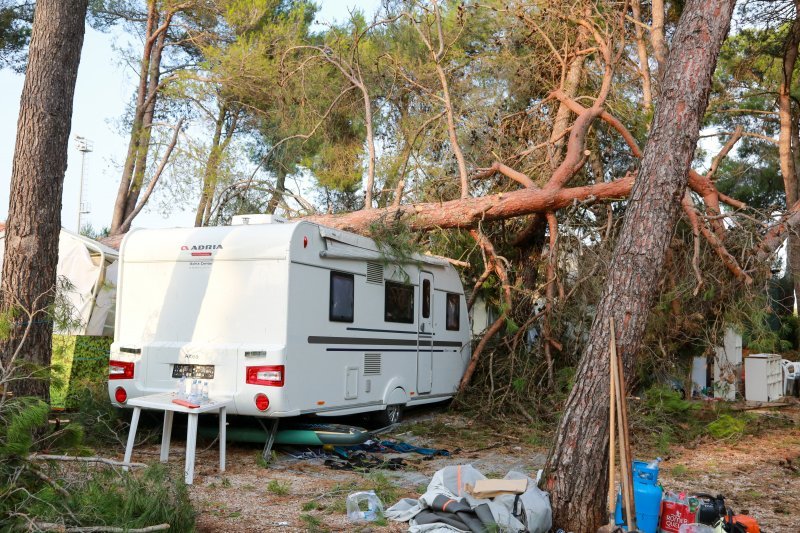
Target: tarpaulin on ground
448, 506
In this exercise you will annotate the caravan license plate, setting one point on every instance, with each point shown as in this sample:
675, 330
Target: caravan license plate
193, 371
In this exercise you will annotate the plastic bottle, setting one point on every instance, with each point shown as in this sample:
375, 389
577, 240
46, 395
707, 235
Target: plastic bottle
653, 465
204, 395
364, 506
193, 392
182, 387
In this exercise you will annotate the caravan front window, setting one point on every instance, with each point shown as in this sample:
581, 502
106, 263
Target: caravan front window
399, 304
453, 318
341, 301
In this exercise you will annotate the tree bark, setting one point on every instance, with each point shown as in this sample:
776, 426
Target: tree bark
135, 167
146, 132
570, 88
209, 175
641, 50
136, 126
576, 473
37, 181
786, 148
280, 188
468, 212
660, 50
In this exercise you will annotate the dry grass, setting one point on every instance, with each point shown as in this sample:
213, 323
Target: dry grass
302, 496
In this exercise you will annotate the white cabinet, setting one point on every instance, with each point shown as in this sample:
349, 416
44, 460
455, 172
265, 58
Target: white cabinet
762, 377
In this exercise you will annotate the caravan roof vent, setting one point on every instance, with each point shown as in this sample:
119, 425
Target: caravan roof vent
374, 272
243, 220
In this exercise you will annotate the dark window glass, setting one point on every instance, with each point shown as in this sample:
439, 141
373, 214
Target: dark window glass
453, 321
341, 302
426, 298
399, 303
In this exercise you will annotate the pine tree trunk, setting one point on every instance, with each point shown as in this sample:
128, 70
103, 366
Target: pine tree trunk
136, 125
210, 172
37, 181
786, 147
576, 473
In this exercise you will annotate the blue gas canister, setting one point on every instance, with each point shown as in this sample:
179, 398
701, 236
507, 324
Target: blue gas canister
646, 496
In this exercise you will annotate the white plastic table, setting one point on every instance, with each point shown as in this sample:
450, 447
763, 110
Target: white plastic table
163, 402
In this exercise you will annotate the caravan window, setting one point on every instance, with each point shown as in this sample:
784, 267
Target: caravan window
399, 303
426, 298
453, 319
341, 302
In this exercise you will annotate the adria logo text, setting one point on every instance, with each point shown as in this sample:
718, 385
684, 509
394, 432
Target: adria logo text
195, 247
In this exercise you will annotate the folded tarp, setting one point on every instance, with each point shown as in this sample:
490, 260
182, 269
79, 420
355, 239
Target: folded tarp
526, 512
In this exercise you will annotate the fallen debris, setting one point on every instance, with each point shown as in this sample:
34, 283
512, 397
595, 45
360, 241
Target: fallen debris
449, 504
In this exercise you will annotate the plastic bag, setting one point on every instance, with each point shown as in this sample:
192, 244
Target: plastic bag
696, 528
364, 506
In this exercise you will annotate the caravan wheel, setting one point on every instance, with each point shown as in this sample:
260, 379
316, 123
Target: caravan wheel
393, 414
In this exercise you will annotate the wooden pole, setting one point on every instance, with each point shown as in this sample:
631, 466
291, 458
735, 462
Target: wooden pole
624, 458
612, 427
623, 395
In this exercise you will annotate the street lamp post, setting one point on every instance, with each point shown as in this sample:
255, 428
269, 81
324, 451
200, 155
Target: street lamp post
83, 145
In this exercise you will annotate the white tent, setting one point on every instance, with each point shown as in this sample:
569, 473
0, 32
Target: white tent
91, 269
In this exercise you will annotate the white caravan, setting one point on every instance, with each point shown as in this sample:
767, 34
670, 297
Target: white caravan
288, 319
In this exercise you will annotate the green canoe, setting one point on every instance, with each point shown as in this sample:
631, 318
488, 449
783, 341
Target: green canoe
296, 434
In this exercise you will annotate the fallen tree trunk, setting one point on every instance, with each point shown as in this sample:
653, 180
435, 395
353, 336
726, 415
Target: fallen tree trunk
467, 212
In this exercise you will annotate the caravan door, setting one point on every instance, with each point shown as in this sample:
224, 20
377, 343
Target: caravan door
425, 335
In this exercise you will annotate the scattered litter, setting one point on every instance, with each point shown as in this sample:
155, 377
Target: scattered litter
696, 528
448, 505
677, 510
362, 461
392, 446
404, 447
490, 488
364, 506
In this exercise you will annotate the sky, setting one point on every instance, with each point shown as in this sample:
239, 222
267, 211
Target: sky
104, 87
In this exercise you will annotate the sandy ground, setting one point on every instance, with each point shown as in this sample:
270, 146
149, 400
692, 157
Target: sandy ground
758, 475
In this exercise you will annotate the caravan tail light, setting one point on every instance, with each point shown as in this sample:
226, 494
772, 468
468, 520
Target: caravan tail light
262, 402
120, 370
121, 395
271, 376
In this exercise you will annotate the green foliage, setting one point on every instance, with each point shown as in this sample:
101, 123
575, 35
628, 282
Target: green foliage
384, 488
309, 506
89, 368
664, 419
396, 242
97, 496
728, 427
279, 488
15, 32
149, 497
679, 471
22, 418
162, 497
80, 364
313, 523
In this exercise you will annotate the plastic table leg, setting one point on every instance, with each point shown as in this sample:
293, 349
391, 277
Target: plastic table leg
191, 442
132, 435
166, 435
222, 429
